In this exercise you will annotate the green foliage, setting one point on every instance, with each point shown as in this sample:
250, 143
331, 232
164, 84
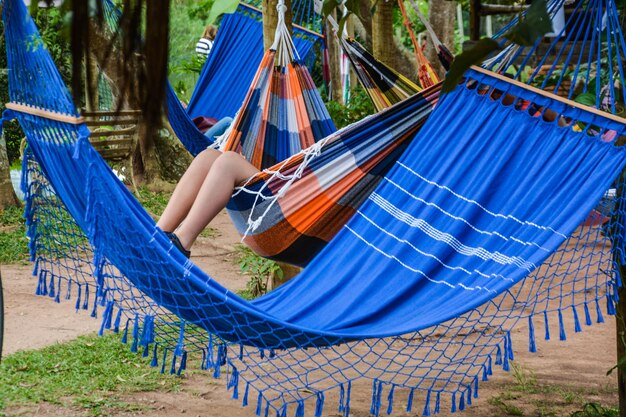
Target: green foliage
595, 410
13, 241
260, 271
535, 24
186, 27
360, 106
93, 371
153, 202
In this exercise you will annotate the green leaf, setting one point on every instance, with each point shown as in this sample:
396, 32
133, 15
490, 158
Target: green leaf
465, 60
531, 26
587, 99
329, 6
221, 7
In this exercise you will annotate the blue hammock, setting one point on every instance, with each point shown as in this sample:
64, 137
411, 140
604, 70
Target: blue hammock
477, 202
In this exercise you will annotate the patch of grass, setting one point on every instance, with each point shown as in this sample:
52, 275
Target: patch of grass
507, 408
88, 372
13, 241
153, 202
525, 380
596, 410
260, 271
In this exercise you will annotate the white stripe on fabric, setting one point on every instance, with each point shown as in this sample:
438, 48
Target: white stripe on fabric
447, 238
503, 216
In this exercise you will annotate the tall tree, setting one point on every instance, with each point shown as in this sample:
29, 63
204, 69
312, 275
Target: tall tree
442, 17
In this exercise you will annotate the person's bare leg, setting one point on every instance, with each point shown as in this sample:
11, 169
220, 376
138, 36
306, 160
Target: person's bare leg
186, 190
228, 170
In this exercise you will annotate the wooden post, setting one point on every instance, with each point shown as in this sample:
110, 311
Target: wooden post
474, 20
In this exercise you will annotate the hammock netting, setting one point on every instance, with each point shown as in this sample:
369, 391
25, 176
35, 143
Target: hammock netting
483, 217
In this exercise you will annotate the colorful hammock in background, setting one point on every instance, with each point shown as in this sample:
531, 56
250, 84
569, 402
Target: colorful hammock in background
445, 210
283, 113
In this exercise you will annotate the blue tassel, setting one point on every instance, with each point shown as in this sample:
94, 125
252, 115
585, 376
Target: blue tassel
183, 363
532, 346
577, 328
283, 411
599, 312
610, 305
341, 396
509, 346
245, 395
68, 294
475, 387
41, 284
267, 409
469, 395
209, 351
135, 344
155, 362
125, 335
379, 396
235, 383
319, 404
409, 402
108, 311
545, 319
588, 321
300, 409
181, 340
217, 371
94, 311
505, 362
461, 402
118, 319
259, 403
489, 368
373, 405
86, 300
390, 399
173, 367
164, 361
262, 353
346, 411
561, 327
485, 376
426, 411
241, 352
52, 292
453, 408
57, 299
498, 355
272, 353
147, 335
438, 402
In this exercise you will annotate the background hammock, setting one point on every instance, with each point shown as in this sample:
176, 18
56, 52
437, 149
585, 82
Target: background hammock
484, 338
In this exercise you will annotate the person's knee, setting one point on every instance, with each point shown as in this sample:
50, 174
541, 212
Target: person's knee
228, 161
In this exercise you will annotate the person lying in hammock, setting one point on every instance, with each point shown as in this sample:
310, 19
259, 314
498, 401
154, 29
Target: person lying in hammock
202, 192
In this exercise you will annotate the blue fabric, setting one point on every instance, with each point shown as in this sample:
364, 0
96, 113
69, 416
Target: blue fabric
230, 68
218, 128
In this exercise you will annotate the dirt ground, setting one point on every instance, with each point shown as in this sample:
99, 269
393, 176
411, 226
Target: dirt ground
565, 374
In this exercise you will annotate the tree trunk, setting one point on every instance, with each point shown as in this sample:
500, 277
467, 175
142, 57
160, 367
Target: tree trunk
334, 58
442, 17
8, 198
385, 48
144, 162
270, 20
382, 33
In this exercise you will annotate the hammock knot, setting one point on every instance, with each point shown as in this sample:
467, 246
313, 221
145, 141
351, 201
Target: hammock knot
83, 139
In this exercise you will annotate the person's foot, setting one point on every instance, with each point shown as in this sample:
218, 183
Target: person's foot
176, 242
